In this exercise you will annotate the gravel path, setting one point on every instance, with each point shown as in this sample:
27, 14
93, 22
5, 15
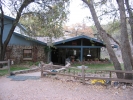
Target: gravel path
49, 88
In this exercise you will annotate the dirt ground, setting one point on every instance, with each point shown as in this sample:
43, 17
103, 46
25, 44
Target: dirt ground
53, 88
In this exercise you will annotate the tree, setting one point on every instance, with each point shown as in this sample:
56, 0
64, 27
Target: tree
2, 28
125, 47
79, 29
21, 7
46, 23
130, 19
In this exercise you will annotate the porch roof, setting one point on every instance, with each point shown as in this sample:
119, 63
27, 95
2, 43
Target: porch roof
79, 37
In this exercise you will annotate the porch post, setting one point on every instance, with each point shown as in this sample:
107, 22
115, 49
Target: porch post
50, 55
99, 53
81, 51
81, 54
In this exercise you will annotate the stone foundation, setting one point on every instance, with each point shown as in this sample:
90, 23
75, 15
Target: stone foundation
15, 53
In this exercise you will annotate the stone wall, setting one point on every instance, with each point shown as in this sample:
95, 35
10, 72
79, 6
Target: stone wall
15, 52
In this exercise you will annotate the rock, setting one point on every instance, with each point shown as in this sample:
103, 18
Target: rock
12, 73
116, 85
123, 87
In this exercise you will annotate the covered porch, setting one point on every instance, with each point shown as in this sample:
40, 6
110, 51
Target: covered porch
80, 48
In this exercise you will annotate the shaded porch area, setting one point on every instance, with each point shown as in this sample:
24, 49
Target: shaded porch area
80, 48
61, 55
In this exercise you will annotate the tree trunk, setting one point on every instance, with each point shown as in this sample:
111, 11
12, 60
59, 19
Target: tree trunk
1, 35
130, 17
105, 38
4, 45
131, 24
125, 46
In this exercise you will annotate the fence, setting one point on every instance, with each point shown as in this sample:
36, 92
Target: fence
61, 68
8, 63
83, 76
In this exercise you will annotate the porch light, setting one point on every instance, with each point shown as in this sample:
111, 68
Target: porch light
88, 55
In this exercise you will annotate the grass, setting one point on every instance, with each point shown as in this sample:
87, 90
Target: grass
13, 68
98, 66
92, 67
22, 66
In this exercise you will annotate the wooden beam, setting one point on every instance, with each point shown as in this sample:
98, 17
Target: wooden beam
119, 71
3, 62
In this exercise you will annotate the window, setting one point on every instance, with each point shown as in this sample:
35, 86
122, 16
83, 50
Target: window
27, 54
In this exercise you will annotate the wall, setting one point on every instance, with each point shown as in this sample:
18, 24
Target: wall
15, 52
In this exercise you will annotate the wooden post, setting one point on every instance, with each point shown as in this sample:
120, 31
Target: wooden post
41, 70
9, 67
69, 70
74, 73
83, 74
64, 71
110, 74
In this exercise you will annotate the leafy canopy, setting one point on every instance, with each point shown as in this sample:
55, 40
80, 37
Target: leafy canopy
42, 17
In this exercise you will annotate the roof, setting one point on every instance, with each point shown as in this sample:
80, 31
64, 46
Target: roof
79, 37
56, 41
45, 39
8, 17
31, 39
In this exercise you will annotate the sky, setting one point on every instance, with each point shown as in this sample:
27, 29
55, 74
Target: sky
77, 13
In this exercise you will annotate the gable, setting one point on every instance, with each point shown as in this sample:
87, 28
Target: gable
7, 27
17, 39
80, 40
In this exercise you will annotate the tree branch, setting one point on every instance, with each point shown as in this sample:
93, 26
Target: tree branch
113, 39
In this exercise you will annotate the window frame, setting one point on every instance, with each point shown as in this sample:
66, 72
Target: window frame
25, 57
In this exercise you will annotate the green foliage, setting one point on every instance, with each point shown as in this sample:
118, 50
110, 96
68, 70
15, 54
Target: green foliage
3, 72
37, 63
113, 27
30, 63
47, 49
47, 22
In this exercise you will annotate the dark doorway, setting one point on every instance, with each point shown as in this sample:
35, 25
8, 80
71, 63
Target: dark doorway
54, 56
58, 56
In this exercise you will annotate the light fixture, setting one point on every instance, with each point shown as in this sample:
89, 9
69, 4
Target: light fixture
88, 55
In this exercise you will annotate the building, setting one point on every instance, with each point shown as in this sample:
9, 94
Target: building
79, 48
23, 48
